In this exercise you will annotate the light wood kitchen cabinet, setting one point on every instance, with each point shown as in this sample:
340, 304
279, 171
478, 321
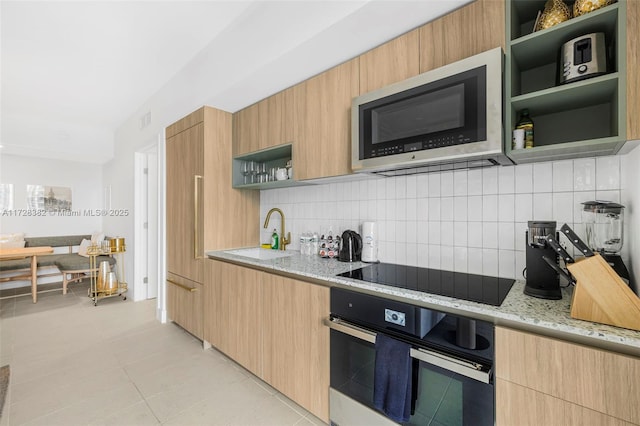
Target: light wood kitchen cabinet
265, 124
185, 304
272, 326
322, 117
204, 212
391, 62
296, 343
233, 313
472, 29
185, 210
548, 381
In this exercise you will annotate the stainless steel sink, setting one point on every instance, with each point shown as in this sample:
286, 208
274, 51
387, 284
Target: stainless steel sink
259, 253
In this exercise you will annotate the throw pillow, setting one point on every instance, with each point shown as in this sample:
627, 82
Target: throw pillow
84, 245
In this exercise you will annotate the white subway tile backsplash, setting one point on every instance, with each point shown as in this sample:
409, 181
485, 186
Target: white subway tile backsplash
412, 186
490, 262
490, 235
520, 265
524, 179
474, 260
460, 259
460, 234
506, 207
446, 208
460, 209
542, 206
506, 238
523, 207
460, 183
446, 184
612, 195
434, 209
434, 233
563, 207
584, 174
446, 258
474, 208
474, 182
422, 209
578, 199
464, 220
542, 177
607, 173
411, 207
506, 180
506, 263
434, 184
446, 233
434, 256
422, 186
423, 232
490, 180
474, 234
401, 187
490, 208
563, 176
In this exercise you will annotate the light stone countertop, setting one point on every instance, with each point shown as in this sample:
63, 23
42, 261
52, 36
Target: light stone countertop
546, 317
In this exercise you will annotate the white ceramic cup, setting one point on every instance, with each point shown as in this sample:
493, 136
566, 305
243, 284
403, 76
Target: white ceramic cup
518, 139
281, 174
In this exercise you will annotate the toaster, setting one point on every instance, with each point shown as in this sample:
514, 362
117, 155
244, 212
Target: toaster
583, 57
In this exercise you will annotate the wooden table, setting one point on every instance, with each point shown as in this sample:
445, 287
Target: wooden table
33, 253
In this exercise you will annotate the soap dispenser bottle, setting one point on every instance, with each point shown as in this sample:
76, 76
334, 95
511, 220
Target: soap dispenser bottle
274, 240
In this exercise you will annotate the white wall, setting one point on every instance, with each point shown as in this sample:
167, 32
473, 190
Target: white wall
631, 200
85, 181
470, 220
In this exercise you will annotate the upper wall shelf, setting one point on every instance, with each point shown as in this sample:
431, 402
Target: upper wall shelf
577, 119
276, 157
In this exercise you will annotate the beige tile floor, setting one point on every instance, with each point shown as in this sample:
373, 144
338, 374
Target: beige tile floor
114, 364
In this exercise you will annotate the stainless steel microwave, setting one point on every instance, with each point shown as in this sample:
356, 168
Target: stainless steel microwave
447, 118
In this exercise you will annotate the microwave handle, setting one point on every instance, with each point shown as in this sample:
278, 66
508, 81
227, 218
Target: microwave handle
466, 368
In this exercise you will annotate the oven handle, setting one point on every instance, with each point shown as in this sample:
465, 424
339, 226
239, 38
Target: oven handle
466, 368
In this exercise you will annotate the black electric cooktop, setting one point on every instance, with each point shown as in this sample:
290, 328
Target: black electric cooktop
475, 288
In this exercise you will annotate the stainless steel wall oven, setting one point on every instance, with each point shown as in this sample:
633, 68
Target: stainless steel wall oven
451, 362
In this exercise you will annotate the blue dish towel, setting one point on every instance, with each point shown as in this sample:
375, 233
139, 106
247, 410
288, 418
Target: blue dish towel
392, 378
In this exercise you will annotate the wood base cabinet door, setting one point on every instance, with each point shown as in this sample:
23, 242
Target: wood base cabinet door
234, 313
296, 343
185, 304
563, 375
520, 406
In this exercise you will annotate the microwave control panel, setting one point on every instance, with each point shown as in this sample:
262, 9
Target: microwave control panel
431, 143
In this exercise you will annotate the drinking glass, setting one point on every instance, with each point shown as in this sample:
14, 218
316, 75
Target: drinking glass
245, 171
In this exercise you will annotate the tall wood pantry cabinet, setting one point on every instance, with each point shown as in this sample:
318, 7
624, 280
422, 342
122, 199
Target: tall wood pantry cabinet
203, 211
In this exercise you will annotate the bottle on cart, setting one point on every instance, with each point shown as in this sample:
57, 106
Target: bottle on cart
526, 123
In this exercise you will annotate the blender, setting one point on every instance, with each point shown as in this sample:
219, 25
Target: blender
604, 222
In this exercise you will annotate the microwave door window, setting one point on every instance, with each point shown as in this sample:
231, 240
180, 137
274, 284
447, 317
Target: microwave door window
425, 114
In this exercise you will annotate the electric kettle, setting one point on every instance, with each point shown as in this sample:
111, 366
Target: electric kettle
350, 247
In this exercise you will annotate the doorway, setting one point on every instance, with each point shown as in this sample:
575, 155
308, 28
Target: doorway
147, 250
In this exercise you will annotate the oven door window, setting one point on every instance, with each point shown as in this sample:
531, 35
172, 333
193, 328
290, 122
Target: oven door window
443, 397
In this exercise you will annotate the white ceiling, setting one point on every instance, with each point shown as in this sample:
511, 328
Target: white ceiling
72, 72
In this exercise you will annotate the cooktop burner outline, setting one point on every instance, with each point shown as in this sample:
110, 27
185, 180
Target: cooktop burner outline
460, 285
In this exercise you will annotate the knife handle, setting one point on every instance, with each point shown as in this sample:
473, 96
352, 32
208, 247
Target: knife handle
576, 241
554, 244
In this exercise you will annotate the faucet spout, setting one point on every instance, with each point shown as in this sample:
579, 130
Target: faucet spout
284, 241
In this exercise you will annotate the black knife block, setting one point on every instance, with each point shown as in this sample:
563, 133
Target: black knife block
542, 281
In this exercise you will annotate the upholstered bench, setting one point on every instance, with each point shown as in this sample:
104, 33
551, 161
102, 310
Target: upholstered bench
71, 265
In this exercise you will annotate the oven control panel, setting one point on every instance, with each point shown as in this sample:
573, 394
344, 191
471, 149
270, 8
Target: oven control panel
394, 317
